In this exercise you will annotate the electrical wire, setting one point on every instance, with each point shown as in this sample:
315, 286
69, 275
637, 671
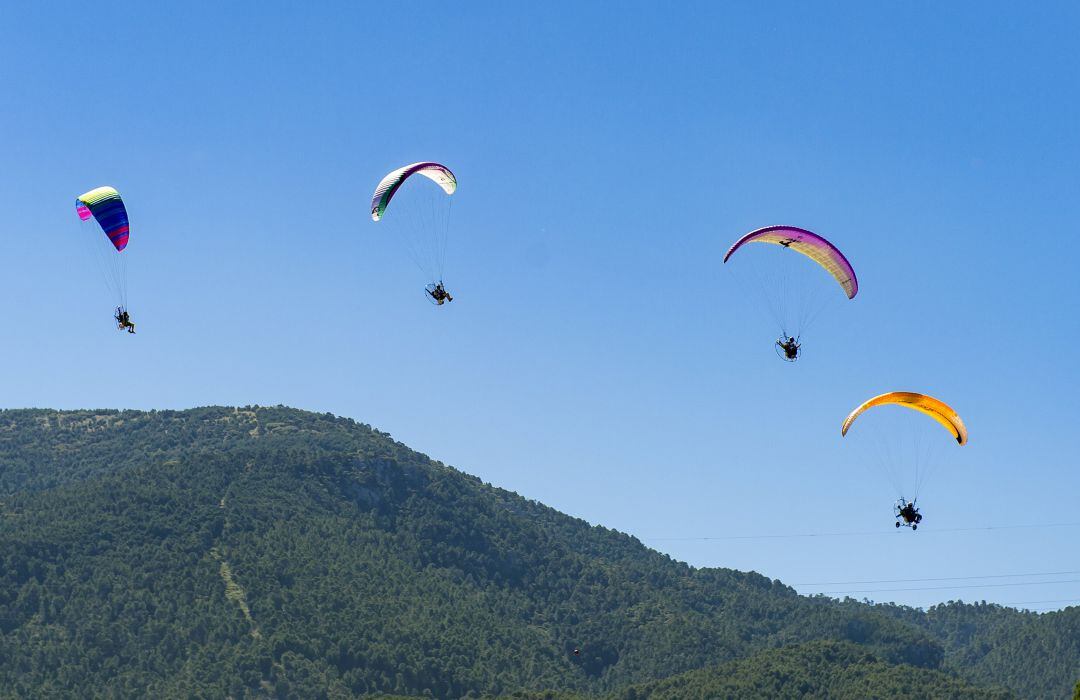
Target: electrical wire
862, 533
943, 578
951, 588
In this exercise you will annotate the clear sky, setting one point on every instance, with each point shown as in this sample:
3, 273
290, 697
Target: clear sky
597, 356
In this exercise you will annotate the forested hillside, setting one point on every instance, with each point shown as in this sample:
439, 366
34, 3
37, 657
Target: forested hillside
1038, 654
269, 551
816, 669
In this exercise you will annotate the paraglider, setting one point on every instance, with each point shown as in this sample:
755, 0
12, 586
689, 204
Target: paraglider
438, 293
907, 514
102, 211
123, 320
791, 289
421, 216
790, 346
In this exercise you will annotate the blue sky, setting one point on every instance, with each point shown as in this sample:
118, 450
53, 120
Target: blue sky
597, 357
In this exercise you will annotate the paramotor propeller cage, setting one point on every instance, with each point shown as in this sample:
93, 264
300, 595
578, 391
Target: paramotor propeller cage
784, 349
436, 294
902, 519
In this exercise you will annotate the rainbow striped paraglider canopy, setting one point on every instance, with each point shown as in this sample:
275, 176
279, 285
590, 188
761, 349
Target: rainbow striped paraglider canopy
107, 208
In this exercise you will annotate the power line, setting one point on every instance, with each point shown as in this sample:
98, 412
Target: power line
860, 534
943, 578
767, 537
949, 588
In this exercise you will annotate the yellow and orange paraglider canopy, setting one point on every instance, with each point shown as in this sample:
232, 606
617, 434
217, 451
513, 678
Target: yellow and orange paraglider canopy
938, 410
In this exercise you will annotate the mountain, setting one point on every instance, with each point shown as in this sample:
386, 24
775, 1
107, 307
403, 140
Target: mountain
261, 552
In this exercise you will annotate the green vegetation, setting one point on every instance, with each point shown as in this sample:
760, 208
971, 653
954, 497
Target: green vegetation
1037, 655
815, 669
271, 552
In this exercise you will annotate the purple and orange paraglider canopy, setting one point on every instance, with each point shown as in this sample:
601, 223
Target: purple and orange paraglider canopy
809, 244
